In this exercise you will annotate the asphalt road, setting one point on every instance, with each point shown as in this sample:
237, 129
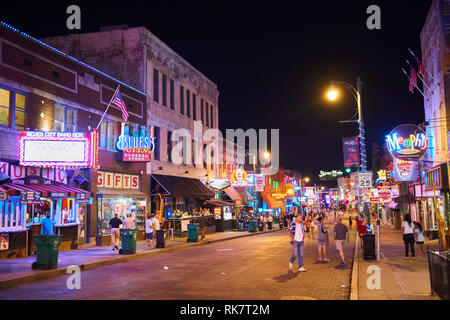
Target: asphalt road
247, 268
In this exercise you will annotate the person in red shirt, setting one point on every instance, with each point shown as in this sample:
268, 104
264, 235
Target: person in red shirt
361, 227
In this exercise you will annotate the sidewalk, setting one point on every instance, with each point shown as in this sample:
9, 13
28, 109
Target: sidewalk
401, 279
18, 271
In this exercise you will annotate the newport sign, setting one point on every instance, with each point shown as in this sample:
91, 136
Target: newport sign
407, 142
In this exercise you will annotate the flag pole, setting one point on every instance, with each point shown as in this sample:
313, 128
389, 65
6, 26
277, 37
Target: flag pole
423, 81
104, 113
412, 53
415, 85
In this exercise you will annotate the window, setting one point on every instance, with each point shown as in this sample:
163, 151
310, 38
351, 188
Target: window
164, 90
108, 135
156, 137
12, 109
212, 116
194, 106
65, 118
172, 94
181, 99
201, 111
188, 103
207, 114
155, 86
169, 146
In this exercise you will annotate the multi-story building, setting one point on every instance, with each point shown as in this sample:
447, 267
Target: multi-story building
50, 106
435, 43
178, 97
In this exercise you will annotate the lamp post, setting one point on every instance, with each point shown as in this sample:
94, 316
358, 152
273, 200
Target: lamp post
356, 92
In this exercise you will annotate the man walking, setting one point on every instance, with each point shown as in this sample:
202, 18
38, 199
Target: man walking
114, 224
296, 235
269, 222
129, 222
202, 222
340, 234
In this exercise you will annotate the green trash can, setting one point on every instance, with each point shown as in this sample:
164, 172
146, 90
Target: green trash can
128, 237
252, 226
192, 232
47, 248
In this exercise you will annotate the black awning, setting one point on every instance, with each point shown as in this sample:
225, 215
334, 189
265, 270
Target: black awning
180, 187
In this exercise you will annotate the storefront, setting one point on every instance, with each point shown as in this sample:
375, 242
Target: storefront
182, 201
121, 194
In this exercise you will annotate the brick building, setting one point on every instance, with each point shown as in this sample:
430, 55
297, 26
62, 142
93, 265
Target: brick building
44, 90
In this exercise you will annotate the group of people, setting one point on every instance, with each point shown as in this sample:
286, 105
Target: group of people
114, 228
298, 231
412, 234
261, 220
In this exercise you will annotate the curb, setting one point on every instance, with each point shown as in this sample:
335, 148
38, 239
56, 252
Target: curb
354, 293
48, 274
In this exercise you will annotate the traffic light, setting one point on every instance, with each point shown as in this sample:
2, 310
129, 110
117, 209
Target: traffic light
348, 170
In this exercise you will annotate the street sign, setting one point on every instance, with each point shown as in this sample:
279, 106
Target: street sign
365, 179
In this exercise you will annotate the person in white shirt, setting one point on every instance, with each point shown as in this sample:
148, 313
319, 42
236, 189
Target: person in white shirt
129, 222
296, 235
269, 222
408, 235
149, 231
155, 225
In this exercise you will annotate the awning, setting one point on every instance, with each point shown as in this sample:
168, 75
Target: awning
112, 192
232, 193
271, 202
180, 187
46, 190
406, 198
219, 203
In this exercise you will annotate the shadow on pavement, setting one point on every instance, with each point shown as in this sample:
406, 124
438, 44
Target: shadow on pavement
285, 277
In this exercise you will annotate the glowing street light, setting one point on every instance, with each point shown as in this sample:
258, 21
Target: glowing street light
332, 94
306, 179
266, 155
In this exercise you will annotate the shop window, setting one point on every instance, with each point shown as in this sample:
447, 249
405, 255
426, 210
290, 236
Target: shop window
169, 146
108, 207
65, 118
12, 109
202, 112
12, 215
157, 138
108, 135
207, 114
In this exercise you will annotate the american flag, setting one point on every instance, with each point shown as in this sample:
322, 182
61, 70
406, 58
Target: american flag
118, 102
420, 68
412, 80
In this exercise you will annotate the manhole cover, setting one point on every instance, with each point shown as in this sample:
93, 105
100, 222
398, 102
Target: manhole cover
297, 298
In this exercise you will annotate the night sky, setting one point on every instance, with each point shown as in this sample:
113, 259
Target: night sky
273, 60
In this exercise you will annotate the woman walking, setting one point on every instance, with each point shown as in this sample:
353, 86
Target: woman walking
408, 235
322, 240
418, 233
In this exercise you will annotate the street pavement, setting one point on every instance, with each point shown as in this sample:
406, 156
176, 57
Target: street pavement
247, 268
401, 279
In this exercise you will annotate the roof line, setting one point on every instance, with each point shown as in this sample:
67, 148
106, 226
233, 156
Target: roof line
4, 24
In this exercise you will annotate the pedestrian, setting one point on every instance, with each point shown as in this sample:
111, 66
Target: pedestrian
361, 228
340, 234
322, 240
114, 225
202, 222
269, 222
350, 222
418, 232
47, 225
308, 225
241, 222
155, 224
408, 236
148, 231
296, 235
129, 222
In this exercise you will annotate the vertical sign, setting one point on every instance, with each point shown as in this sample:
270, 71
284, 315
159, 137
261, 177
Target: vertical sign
351, 151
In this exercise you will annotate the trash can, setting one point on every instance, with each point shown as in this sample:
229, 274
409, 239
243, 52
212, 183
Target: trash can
128, 237
261, 226
251, 226
368, 240
192, 232
160, 241
47, 248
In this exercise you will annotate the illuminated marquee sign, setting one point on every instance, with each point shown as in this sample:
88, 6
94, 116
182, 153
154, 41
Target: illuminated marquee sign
279, 196
117, 180
219, 184
404, 170
290, 189
58, 149
407, 142
385, 194
136, 147
239, 178
381, 175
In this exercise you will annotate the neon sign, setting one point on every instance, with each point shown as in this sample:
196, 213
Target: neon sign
136, 147
407, 142
58, 149
404, 170
239, 178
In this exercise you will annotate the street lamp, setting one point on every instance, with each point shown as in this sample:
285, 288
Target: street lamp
306, 179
